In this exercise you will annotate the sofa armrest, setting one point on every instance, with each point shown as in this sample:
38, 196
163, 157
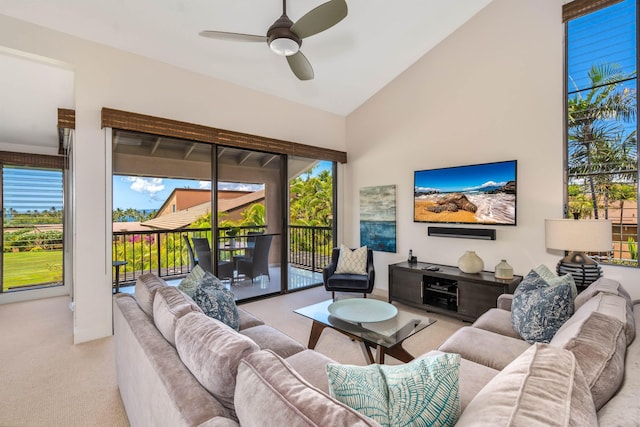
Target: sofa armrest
504, 301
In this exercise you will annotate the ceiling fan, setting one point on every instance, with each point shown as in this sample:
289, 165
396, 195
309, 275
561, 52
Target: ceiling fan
284, 37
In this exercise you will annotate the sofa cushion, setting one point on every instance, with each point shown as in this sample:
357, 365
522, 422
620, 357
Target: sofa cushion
269, 338
247, 320
352, 261
603, 285
217, 301
498, 321
270, 392
539, 309
473, 377
145, 289
542, 387
312, 366
609, 304
613, 289
169, 304
623, 409
600, 348
189, 284
212, 351
480, 346
421, 392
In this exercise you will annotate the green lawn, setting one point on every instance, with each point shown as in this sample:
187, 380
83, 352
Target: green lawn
32, 268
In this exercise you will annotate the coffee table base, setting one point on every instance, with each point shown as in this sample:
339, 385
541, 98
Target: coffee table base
395, 351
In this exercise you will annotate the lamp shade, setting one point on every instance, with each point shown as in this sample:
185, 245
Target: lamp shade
580, 235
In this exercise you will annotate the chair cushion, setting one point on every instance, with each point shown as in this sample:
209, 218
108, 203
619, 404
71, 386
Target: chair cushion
543, 387
348, 281
189, 284
539, 309
169, 304
421, 392
352, 261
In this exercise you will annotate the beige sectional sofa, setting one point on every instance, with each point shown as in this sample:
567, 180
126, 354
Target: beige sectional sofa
177, 367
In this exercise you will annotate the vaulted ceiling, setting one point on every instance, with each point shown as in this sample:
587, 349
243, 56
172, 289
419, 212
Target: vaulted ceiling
353, 60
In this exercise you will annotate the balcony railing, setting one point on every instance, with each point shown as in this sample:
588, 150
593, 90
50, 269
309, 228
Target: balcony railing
164, 253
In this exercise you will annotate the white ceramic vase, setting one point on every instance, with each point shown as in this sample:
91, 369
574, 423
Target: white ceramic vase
504, 270
470, 263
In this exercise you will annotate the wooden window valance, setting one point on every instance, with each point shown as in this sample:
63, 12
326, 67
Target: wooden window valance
578, 8
136, 122
32, 160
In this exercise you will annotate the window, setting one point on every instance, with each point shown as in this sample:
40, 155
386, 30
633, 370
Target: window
601, 113
32, 201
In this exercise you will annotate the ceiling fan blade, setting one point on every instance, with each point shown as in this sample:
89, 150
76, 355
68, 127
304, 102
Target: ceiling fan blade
300, 66
236, 37
321, 18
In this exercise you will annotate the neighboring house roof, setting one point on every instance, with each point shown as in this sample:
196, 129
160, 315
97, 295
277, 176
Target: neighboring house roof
128, 226
185, 217
179, 219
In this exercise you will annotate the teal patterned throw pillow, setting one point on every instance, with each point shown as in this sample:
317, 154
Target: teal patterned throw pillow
216, 301
189, 284
538, 310
423, 392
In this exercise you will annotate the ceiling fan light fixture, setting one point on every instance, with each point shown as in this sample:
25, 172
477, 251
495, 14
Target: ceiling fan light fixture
284, 46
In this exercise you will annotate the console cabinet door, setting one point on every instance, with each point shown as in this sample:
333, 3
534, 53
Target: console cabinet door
474, 299
405, 286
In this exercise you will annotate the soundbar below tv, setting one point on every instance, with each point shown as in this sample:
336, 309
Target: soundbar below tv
483, 194
462, 233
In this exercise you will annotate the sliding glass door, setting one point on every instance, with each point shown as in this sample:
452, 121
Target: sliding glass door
250, 221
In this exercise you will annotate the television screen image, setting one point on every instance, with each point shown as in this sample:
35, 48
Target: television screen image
474, 194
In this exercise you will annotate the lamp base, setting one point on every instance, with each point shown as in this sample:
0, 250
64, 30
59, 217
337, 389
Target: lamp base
583, 274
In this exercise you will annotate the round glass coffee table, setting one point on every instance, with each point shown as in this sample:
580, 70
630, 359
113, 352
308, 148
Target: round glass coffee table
385, 336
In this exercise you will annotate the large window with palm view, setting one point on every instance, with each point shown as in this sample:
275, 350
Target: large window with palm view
602, 146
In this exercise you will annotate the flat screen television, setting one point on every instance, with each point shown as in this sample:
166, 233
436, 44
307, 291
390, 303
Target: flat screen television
474, 194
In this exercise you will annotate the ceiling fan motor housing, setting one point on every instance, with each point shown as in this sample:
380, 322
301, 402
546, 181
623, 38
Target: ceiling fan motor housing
281, 39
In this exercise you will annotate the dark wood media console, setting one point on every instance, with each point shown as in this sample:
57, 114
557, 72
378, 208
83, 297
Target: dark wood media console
448, 290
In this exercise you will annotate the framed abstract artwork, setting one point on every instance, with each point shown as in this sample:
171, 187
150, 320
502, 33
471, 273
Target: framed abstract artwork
378, 218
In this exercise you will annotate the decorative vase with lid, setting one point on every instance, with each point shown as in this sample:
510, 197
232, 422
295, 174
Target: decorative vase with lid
470, 262
504, 270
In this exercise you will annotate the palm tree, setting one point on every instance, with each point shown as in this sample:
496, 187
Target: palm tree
599, 151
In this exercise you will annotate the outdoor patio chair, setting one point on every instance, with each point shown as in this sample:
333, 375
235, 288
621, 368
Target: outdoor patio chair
258, 264
203, 253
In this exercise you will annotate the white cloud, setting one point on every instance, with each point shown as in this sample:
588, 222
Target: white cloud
487, 184
205, 185
150, 186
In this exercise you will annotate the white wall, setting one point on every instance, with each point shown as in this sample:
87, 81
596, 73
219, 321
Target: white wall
491, 91
109, 78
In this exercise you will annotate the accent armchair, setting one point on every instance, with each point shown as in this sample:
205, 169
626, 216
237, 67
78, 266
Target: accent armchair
348, 282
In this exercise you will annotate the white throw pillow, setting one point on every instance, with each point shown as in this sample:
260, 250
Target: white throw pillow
352, 261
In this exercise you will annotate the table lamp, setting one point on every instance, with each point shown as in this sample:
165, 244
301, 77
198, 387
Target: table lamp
578, 236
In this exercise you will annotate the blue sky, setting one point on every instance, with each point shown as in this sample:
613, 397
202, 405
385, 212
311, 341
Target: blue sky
149, 193
466, 177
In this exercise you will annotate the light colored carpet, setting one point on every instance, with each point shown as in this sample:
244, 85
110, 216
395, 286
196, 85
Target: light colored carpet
46, 380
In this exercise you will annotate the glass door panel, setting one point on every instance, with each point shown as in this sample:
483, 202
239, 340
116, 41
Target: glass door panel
311, 213
249, 239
